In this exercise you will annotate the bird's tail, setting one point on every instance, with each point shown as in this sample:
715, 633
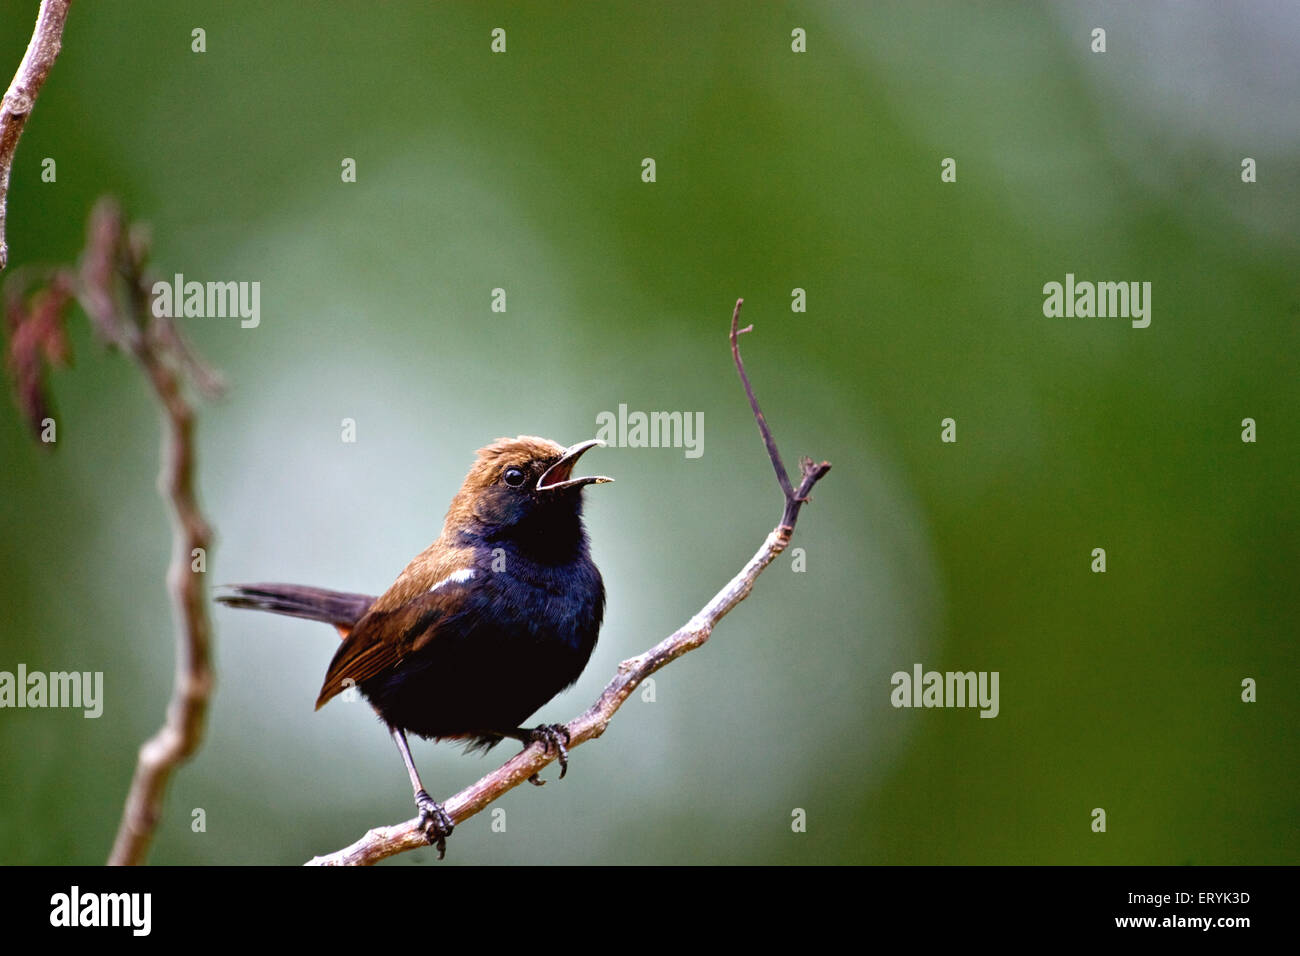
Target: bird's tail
339, 608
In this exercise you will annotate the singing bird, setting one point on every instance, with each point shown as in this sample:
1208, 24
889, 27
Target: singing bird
485, 626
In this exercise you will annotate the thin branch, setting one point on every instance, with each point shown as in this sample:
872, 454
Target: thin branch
182, 731
812, 473
781, 474
113, 288
383, 842
42, 51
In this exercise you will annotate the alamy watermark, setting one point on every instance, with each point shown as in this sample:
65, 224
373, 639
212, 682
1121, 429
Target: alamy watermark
652, 430
208, 300
129, 910
951, 689
75, 689
1103, 300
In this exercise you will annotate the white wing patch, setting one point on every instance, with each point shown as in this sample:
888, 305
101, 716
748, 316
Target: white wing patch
456, 577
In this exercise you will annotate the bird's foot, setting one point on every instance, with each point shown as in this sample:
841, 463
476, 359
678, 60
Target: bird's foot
551, 737
435, 823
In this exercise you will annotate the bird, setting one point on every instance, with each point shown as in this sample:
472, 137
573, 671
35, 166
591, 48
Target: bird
496, 617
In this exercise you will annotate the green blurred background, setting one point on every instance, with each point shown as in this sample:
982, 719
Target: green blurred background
775, 171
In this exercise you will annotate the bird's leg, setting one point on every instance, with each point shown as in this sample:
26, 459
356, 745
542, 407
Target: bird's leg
551, 737
433, 818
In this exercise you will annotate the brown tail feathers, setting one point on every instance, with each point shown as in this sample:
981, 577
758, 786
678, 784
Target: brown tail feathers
339, 608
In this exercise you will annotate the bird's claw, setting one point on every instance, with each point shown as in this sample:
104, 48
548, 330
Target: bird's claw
435, 823
552, 737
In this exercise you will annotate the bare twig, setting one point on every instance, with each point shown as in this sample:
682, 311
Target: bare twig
811, 473
115, 291
782, 475
383, 842
122, 315
42, 50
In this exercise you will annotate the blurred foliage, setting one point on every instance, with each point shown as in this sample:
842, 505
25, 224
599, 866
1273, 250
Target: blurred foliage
775, 170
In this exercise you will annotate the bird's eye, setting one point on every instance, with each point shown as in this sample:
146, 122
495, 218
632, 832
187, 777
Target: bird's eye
514, 477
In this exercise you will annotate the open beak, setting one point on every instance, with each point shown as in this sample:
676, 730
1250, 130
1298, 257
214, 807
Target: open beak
557, 476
